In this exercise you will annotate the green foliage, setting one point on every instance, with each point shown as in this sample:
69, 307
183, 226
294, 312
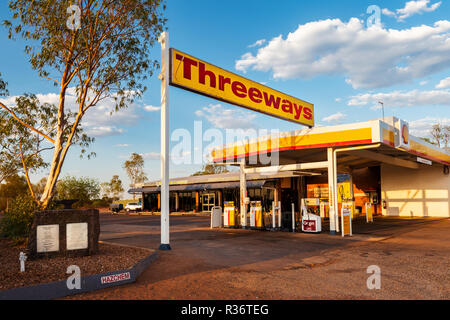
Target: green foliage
101, 203
211, 168
3, 87
17, 220
17, 143
429, 140
135, 168
82, 189
113, 188
108, 56
14, 186
16, 140
111, 47
440, 135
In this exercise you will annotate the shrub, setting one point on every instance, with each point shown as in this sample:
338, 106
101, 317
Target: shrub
17, 220
100, 203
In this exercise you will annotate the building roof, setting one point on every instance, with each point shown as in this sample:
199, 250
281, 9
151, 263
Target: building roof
289, 145
310, 145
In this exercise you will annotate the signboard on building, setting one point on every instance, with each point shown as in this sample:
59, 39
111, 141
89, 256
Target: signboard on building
195, 75
424, 161
403, 138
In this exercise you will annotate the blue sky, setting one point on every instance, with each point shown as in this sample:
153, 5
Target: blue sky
319, 51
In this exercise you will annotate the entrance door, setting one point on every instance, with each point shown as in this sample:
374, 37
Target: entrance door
208, 201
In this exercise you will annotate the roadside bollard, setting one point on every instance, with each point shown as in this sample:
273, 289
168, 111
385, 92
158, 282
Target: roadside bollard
22, 258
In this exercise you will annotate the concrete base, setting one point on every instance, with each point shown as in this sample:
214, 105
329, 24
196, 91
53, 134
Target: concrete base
164, 247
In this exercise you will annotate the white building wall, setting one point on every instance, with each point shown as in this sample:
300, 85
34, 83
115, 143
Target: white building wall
420, 192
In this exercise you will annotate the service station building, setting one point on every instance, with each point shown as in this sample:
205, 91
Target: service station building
375, 162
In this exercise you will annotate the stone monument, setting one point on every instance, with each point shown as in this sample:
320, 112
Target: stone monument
66, 232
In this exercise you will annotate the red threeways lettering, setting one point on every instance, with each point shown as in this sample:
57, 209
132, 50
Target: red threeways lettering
240, 90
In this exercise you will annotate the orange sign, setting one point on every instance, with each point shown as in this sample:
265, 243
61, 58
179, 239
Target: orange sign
346, 221
201, 77
405, 134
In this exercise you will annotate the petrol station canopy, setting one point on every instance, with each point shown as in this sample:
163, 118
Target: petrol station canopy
383, 140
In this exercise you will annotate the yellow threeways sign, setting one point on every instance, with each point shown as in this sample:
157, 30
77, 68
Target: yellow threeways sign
201, 77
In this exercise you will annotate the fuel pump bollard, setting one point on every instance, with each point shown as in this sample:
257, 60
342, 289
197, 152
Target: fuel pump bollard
229, 215
276, 210
293, 218
311, 223
256, 216
369, 213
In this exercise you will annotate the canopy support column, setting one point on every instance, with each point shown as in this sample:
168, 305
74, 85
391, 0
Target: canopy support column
243, 194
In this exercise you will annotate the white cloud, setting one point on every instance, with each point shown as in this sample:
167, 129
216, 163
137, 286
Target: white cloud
422, 127
98, 121
369, 57
338, 99
444, 84
388, 12
103, 131
402, 99
152, 108
337, 117
122, 145
151, 156
416, 7
223, 118
411, 8
258, 43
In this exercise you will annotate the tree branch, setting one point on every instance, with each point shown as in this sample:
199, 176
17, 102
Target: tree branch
30, 186
26, 125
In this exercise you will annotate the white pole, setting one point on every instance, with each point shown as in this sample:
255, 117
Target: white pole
331, 190
279, 214
164, 77
293, 218
273, 214
335, 193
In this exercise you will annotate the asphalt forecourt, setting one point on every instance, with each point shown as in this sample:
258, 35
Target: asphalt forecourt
404, 259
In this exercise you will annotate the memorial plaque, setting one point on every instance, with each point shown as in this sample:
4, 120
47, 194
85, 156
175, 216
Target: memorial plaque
65, 232
47, 238
77, 236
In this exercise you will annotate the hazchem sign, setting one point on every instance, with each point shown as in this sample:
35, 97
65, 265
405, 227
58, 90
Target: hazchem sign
115, 278
201, 77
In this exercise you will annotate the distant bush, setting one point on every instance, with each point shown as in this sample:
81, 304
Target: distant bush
81, 189
17, 220
101, 203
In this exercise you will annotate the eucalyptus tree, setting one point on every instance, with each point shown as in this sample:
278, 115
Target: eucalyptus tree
95, 49
23, 132
113, 188
135, 168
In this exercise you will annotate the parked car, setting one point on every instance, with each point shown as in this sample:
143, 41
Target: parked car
116, 207
133, 206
